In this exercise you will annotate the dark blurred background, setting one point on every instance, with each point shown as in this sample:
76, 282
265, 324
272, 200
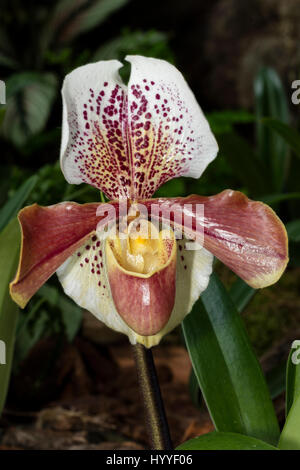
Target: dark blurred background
73, 382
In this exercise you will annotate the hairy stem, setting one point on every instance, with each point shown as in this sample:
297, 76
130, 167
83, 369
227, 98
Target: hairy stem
157, 424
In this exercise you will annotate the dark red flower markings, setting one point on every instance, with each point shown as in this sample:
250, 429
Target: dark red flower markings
129, 149
91, 258
180, 248
100, 146
157, 136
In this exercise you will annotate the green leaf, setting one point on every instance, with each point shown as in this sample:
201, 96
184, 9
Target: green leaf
2, 114
223, 121
294, 254
71, 312
293, 230
290, 435
72, 317
7, 52
172, 188
15, 203
244, 162
30, 96
32, 325
271, 102
9, 253
194, 390
276, 379
280, 197
228, 372
147, 43
293, 375
73, 17
241, 294
290, 135
225, 441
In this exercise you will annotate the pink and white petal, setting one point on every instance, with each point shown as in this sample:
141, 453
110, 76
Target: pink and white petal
245, 235
49, 236
193, 269
85, 280
94, 130
168, 132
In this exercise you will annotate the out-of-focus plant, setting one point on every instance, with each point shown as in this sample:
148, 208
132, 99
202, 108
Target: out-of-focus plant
278, 149
52, 313
215, 323
149, 43
32, 72
9, 251
50, 30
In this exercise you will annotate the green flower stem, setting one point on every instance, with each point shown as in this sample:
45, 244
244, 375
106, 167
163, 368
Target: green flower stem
157, 424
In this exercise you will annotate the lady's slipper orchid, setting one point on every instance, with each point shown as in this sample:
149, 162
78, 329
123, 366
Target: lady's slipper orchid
127, 141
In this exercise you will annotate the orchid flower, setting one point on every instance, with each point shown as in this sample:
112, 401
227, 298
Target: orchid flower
127, 141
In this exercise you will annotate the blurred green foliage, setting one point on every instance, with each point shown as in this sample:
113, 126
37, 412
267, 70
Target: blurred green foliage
259, 151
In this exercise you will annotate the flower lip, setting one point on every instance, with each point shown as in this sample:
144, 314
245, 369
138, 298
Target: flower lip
144, 300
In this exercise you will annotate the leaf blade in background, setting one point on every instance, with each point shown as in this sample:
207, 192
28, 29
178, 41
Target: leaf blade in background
9, 253
2, 114
30, 96
194, 389
71, 312
151, 42
27, 337
290, 435
293, 230
271, 101
225, 441
223, 121
243, 161
15, 203
293, 376
71, 18
228, 372
241, 294
290, 135
279, 197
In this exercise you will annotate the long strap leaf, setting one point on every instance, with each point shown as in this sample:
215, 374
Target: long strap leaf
9, 251
227, 370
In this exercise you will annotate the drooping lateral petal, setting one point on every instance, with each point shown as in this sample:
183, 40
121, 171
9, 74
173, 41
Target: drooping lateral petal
127, 141
49, 236
169, 134
94, 129
85, 279
245, 235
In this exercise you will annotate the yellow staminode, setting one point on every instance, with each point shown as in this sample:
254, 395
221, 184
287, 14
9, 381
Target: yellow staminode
142, 254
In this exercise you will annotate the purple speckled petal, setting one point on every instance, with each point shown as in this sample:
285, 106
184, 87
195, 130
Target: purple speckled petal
94, 129
129, 141
170, 136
